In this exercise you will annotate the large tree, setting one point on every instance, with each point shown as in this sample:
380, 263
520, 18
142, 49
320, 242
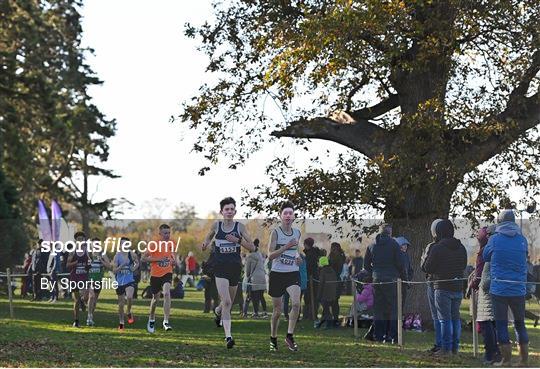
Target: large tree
438, 102
50, 132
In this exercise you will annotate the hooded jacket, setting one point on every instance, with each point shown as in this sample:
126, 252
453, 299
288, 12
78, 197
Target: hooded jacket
383, 259
447, 258
427, 250
327, 284
507, 253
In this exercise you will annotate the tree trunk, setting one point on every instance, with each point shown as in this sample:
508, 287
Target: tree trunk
412, 219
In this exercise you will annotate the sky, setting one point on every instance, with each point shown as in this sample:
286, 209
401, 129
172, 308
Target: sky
149, 68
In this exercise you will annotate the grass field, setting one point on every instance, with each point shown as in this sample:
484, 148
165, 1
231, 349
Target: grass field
42, 336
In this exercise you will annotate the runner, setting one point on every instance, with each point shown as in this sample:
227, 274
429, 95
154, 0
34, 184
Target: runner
162, 259
98, 264
124, 263
78, 264
228, 235
284, 274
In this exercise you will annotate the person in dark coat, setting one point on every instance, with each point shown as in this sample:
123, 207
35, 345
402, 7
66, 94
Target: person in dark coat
384, 262
357, 262
313, 254
408, 271
447, 260
336, 260
327, 292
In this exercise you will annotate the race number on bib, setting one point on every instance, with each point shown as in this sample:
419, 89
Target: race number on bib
227, 248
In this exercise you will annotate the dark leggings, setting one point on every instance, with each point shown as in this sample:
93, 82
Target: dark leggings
256, 297
490, 339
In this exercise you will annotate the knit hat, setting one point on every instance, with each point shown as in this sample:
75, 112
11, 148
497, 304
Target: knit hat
506, 215
323, 261
433, 226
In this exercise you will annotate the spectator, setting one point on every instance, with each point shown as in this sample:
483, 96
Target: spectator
383, 261
431, 292
408, 271
27, 281
137, 273
313, 254
507, 252
255, 276
191, 266
357, 262
177, 291
486, 316
336, 260
211, 296
366, 297
447, 260
40, 260
327, 292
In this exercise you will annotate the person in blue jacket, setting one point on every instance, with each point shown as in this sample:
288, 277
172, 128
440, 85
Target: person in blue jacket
506, 251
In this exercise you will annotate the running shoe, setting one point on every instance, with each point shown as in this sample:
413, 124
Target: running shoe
289, 340
273, 344
167, 326
90, 323
121, 326
217, 319
131, 318
230, 342
151, 326
76, 324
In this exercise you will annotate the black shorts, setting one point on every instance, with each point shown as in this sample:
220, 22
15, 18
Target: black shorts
156, 283
229, 271
121, 290
279, 282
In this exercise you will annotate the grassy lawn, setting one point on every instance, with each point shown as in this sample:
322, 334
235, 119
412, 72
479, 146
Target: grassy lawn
42, 336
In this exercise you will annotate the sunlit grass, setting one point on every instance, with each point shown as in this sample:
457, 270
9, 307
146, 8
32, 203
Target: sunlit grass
41, 335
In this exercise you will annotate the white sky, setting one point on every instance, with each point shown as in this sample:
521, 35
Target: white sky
149, 68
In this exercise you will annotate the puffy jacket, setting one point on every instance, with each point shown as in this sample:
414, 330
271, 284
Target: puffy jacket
507, 252
485, 310
327, 284
366, 296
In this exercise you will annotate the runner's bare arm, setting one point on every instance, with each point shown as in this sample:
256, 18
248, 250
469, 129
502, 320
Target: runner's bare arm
114, 265
246, 238
135, 261
70, 262
272, 252
209, 236
106, 262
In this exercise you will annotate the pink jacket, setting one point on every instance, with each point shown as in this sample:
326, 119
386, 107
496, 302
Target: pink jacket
366, 296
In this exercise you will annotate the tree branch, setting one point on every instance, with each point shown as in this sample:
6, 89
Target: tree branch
376, 110
359, 135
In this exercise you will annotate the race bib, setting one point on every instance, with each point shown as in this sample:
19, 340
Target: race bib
227, 248
287, 259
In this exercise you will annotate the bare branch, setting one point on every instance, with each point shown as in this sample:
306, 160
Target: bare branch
376, 110
361, 135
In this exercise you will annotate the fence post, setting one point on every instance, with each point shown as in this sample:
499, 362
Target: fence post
399, 313
10, 293
312, 299
354, 312
474, 332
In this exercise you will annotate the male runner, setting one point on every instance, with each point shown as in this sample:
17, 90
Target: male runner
98, 264
162, 259
78, 264
284, 274
228, 236
124, 263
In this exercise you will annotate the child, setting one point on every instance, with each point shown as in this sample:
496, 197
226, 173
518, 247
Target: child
327, 291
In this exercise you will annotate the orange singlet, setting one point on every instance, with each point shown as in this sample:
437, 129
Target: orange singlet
159, 269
